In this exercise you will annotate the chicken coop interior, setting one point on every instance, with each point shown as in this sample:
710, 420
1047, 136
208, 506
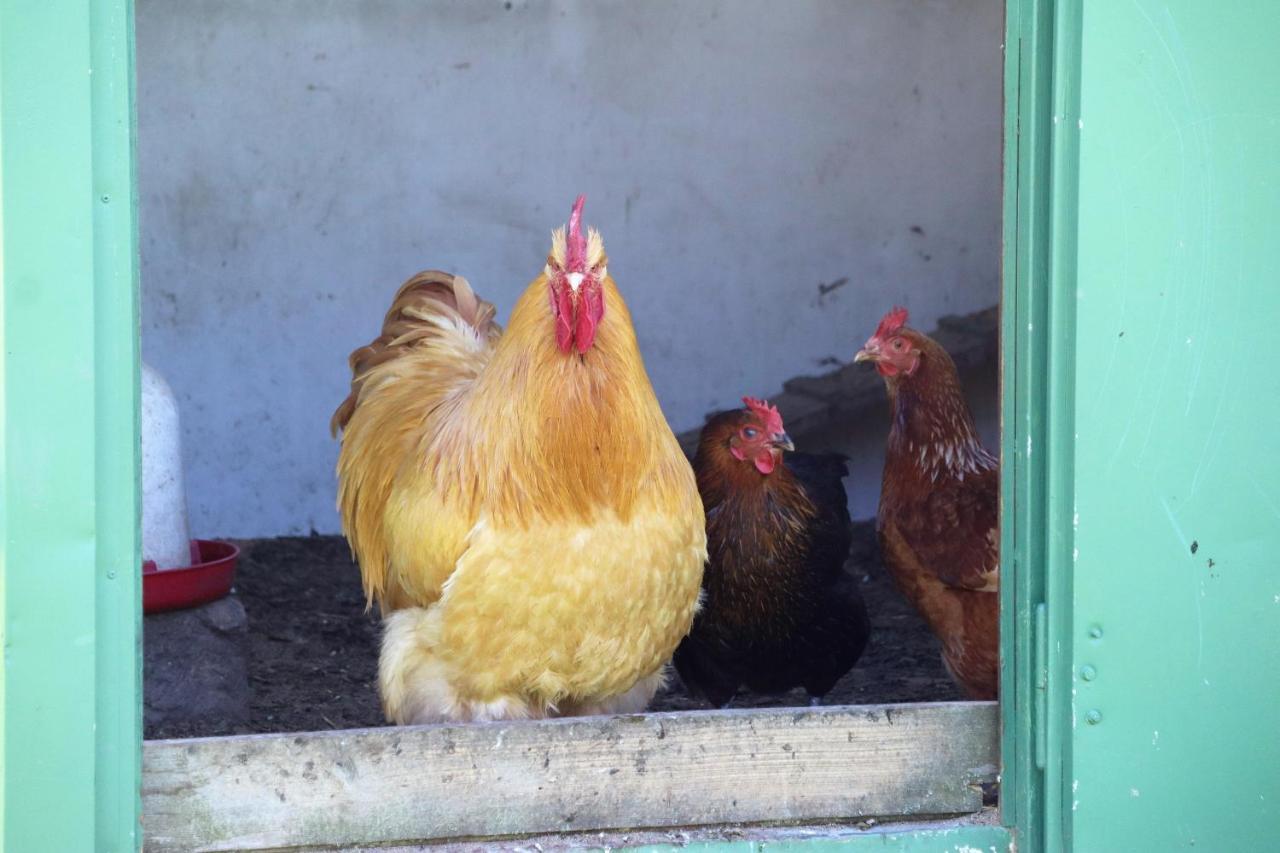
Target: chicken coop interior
769, 181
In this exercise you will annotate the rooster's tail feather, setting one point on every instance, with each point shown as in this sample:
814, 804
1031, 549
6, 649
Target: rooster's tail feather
428, 308
436, 340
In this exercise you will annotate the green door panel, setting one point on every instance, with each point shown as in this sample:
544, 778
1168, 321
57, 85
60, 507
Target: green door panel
1175, 547
70, 688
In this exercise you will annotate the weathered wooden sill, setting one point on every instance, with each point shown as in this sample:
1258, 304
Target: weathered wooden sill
378, 787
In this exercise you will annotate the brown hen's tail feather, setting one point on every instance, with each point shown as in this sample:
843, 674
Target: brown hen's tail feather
411, 321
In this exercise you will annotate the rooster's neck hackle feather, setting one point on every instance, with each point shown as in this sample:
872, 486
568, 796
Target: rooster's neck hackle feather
598, 434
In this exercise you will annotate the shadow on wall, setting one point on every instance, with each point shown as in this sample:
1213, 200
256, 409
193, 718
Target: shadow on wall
846, 410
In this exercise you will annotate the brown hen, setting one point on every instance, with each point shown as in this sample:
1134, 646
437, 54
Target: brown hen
938, 520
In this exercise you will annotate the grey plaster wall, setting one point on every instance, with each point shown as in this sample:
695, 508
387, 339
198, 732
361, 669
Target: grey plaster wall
769, 178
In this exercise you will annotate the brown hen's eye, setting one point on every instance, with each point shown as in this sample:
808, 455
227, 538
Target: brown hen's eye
748, 433
897, 343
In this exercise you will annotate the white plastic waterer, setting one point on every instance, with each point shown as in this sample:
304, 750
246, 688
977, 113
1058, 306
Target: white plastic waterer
165, 536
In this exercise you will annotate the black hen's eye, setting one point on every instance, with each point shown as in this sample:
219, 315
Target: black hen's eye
749, 433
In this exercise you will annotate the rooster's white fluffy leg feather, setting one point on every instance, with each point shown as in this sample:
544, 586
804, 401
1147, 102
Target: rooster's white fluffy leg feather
416, 689
633, 701
415, 684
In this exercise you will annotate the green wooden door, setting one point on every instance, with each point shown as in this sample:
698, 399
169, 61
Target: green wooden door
1166, 268
70, 727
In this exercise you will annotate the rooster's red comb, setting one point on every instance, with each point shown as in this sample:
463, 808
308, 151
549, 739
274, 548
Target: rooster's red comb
769, 417
575, 244
891, 323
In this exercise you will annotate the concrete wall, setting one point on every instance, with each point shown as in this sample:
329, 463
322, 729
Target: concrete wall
769, 178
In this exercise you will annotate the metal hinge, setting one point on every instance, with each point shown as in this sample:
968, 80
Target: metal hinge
1040, 704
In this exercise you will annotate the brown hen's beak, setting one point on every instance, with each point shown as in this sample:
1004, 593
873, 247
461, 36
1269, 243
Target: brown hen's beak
867, 354
782, 441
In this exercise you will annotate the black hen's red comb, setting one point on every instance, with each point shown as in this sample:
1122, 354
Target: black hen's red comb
769, 416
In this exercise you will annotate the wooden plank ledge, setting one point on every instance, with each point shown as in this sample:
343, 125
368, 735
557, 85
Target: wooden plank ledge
686, 769
976, 833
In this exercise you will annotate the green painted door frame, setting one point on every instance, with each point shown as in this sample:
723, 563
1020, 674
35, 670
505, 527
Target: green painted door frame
1141, 420
1028, 77
69, 580
1041, 65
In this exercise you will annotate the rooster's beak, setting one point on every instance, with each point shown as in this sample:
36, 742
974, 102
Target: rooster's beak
867, 353
783, 441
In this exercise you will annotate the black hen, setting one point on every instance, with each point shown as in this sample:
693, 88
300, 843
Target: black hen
779, 611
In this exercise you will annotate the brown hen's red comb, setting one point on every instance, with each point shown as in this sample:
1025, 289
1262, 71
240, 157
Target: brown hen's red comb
891, 323
575, 256
768, 415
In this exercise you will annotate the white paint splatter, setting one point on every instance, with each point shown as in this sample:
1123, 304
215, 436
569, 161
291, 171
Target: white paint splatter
1173, 522
1155, 738
1134, 792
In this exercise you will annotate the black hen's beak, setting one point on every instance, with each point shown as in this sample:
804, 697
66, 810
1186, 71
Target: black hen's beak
782, 441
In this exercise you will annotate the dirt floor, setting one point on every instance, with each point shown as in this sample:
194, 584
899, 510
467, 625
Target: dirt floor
313, 651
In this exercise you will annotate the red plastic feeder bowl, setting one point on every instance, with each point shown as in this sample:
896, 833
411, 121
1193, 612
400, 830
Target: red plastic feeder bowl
208, 578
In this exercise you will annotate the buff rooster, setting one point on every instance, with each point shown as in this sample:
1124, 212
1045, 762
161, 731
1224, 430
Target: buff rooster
521, 512
939, 503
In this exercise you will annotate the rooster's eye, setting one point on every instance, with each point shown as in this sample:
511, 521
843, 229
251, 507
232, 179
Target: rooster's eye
748, 433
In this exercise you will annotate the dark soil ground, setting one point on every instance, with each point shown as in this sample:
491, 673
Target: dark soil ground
313, 650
